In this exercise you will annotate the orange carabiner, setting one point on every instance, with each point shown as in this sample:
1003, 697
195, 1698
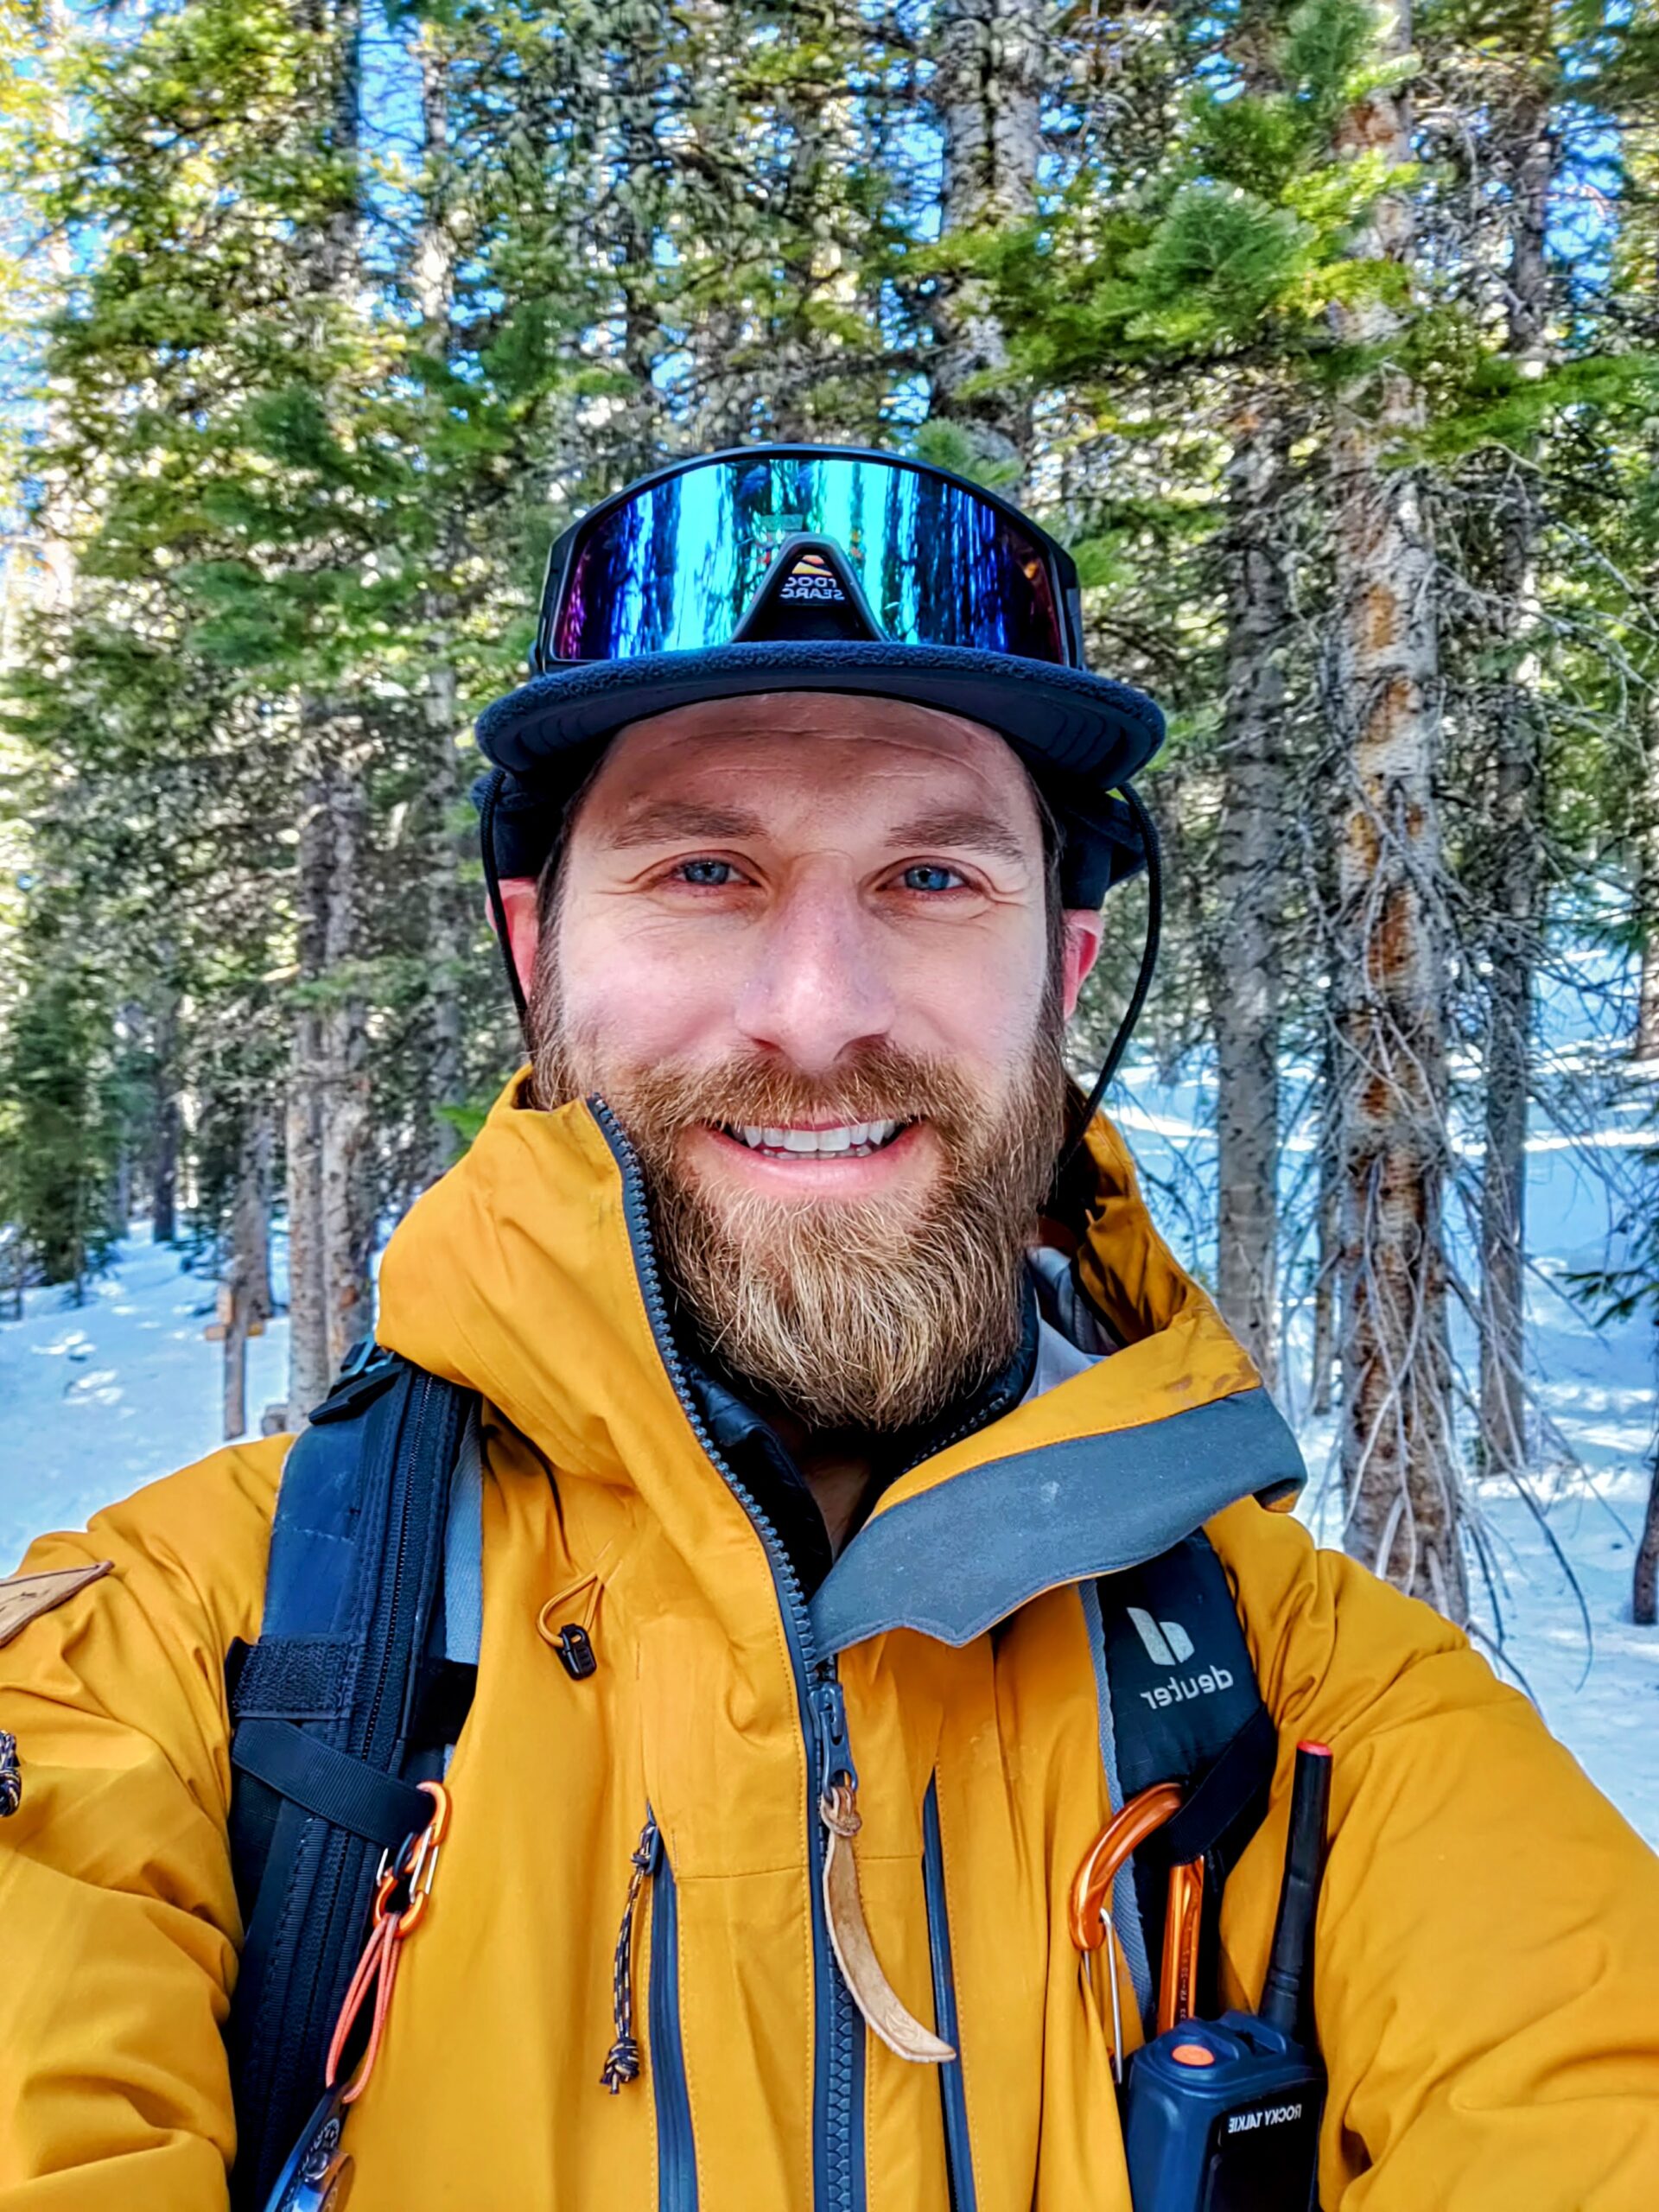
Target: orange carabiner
1126, 1831
1177, 1979
1091, 1894
390, 1926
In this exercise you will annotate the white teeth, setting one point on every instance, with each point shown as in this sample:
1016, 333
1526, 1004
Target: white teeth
861, 1137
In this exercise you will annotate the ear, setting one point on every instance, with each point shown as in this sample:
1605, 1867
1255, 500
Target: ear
1083, 931
523, 928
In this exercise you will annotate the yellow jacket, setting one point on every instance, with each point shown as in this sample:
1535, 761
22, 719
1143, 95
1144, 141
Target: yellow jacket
1487, 1970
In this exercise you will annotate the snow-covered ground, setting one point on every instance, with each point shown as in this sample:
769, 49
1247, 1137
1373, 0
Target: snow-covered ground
96, 1399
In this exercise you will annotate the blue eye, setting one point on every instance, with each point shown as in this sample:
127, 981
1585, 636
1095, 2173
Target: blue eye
928, 875
708, 874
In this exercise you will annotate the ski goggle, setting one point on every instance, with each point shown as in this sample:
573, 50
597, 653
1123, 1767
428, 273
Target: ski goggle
907, 553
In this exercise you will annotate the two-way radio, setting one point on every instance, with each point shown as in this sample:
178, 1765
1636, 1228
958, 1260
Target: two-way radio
1223, 2115
1218, 2115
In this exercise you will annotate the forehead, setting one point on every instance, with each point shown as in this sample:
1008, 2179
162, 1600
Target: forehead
801, 761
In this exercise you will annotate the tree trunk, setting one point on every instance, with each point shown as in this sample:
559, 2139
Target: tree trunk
1644, 1588
1328, 1251
440, 850
165, 1119
245, 1293
330, 1231
1399, 1470
1647, 890
1244, 963
343, 1084
987, 94
57, 556
1514, 889
446, 925
309, 1372
630, 222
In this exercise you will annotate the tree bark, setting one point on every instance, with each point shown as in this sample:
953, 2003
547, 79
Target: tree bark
1646, 892
445, 914
1515, 835
57, 549
245, 1301
165, 1123
1399, 1470
1328, 1251
347, 1228
309, 1372
1244, 962
1644, 1588
330, 1228
987, 96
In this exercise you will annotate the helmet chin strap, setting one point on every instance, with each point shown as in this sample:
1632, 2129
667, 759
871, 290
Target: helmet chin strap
1132, 1013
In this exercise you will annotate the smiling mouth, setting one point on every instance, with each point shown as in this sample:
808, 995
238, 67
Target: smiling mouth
845, 1140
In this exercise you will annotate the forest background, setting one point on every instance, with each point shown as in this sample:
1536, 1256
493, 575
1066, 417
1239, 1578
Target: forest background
1328, 340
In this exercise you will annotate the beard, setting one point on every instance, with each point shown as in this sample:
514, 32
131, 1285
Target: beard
871, 1315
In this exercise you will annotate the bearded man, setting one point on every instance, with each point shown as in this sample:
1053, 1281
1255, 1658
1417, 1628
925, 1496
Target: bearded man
782, 1660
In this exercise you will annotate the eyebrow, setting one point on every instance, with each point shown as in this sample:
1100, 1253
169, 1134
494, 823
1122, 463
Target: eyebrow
668, 820
965, 826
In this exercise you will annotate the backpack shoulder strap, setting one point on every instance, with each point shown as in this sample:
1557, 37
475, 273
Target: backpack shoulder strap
340, 1708
1179, 1702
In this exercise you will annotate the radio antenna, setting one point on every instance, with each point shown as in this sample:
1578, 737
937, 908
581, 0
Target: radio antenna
1287, 1992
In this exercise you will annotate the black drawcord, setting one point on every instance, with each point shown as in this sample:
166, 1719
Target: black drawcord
498, 904
622, 2064
1143, 822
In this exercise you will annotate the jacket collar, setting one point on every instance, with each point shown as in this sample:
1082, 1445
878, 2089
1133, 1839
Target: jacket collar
748, 1443
526, 1274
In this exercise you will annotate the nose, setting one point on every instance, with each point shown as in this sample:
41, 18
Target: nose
816, 990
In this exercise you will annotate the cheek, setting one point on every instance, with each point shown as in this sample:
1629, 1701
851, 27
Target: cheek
633, 999
973, 996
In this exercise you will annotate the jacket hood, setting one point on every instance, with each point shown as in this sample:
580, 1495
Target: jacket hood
527, 1274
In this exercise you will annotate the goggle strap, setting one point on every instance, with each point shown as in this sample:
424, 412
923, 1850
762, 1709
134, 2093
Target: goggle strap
1132, 1013
498, 904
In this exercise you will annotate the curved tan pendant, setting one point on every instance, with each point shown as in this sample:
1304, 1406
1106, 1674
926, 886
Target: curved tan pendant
872, 1993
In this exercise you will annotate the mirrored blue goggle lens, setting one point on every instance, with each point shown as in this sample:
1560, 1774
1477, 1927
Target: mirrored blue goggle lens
677, 566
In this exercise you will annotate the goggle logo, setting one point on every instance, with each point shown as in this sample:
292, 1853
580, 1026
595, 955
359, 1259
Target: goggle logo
811, 582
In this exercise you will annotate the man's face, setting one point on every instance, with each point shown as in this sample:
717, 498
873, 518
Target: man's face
803, 946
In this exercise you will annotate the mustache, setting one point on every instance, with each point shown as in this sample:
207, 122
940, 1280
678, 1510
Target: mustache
881, 1083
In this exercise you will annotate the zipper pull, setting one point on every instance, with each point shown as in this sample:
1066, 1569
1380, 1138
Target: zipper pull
843, 1908
835, 1746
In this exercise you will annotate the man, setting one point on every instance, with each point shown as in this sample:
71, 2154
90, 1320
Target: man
831, 1403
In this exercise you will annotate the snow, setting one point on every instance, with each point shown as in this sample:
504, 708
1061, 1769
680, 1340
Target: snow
98, 1398
1574, 1650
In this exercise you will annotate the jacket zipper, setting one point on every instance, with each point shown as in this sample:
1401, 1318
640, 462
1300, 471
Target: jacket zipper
838, 2031
953, 2098
676, 2150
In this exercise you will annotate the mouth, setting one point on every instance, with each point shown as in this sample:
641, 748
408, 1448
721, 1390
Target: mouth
837, 1141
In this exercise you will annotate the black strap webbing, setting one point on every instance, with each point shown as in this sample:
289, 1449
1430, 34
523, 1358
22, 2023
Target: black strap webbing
346, 1792
1235, 1789
292, 1678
